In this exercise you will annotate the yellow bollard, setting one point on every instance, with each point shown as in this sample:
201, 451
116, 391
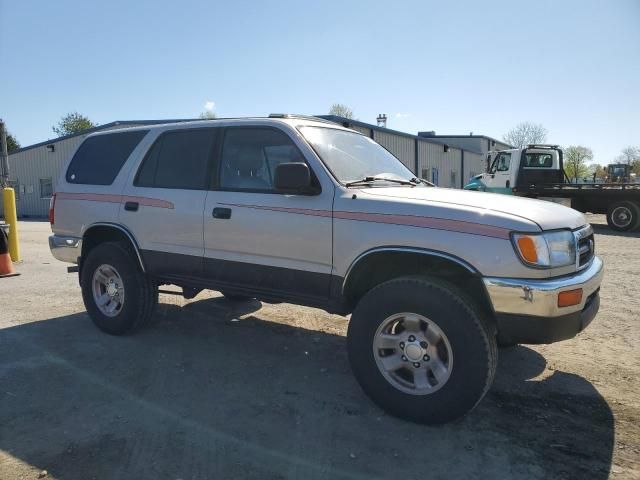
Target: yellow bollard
11, 217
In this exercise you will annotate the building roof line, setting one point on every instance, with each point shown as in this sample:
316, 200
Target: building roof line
468, 136
342, 120
434, 139
99, 128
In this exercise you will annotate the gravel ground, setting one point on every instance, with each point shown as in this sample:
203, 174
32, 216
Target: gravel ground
218, 389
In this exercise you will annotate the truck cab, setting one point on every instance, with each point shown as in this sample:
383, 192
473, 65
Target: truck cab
509, 171
620, 173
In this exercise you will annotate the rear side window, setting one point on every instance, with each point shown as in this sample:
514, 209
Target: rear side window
99, 159
178, 159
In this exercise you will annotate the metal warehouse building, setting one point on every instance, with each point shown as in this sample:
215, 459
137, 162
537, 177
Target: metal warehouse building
476, 143
448, 161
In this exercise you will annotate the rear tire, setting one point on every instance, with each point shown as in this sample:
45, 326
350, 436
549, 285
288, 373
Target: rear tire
459, 352
623, 216
118, 296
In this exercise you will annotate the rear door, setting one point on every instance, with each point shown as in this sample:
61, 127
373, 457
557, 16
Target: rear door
261, 240
164, 201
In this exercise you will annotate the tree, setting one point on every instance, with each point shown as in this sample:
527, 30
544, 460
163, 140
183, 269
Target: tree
12, 143
340, 110
526, 133
207, 115
72, 123
629, 155
575, 161
599, 170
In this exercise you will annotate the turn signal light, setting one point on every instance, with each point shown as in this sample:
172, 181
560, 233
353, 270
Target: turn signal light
528, 249
570, 298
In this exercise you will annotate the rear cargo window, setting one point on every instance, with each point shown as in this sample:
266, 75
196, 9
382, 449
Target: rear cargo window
100, 158
538, 160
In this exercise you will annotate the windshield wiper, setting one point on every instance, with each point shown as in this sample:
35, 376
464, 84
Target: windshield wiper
422, 180
365, 180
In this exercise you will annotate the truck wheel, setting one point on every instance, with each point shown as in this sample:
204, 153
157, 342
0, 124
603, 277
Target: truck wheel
117, 295
623, 216
421, 350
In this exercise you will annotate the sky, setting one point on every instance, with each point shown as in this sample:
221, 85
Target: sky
453, 67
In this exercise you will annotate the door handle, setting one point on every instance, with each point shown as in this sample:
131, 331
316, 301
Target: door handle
131, 206
222, 213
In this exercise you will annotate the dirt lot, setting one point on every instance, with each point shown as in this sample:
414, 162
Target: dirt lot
242, 390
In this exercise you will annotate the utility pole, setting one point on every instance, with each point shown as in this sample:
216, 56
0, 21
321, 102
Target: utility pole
4, 156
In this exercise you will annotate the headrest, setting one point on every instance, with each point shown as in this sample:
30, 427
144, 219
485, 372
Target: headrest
247, 157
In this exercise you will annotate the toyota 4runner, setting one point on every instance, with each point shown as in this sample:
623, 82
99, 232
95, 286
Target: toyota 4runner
301, 210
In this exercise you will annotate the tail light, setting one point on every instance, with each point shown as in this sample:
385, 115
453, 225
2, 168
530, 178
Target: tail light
52, 209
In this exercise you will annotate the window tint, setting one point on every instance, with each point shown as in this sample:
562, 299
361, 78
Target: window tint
100, 158
251, 155
178, 159
538, 160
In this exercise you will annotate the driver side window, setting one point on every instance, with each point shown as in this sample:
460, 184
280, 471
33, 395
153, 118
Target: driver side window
501, 163
250, 156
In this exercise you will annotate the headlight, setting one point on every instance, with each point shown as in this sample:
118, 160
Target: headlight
546, 250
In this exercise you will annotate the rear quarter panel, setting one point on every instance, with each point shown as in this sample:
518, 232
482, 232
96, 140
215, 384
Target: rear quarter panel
78, 206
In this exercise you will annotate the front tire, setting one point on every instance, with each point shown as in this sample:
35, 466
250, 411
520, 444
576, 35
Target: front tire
421, 350
623, 216
118, 296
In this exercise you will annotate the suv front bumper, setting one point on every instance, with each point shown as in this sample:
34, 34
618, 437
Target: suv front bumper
65, 249
527, 311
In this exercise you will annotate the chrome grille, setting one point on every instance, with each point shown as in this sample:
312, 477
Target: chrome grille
585, 246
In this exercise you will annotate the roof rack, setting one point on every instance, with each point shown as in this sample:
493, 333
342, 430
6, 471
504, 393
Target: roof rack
302, 117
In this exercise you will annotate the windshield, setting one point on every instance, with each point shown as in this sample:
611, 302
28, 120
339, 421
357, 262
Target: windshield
351, 156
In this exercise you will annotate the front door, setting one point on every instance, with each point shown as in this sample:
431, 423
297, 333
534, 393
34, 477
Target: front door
499, 177
258, 240
164, 200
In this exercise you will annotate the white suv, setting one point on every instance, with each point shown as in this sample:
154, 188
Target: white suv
301, 210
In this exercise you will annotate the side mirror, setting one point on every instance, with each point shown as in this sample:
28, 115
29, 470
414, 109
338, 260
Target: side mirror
292, 177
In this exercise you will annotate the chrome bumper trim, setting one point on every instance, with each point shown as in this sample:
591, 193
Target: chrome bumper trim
540, 297
65, 249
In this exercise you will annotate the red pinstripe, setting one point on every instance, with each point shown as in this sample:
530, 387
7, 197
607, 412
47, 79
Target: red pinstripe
435, 223
108, 198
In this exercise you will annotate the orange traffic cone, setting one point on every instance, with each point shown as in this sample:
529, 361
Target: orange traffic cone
6, 265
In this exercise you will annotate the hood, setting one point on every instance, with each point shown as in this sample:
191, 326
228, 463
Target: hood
507, 210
